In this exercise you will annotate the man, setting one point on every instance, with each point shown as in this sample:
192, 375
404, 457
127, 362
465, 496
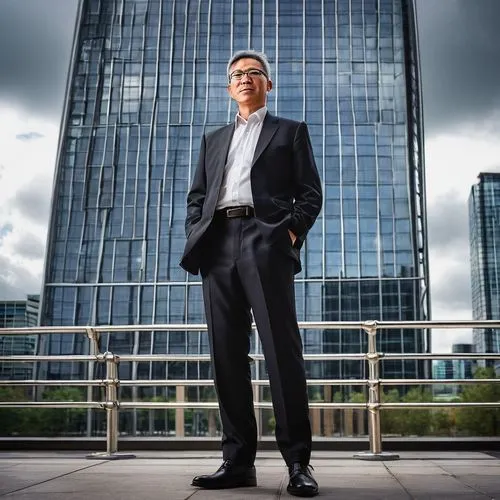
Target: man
255, 195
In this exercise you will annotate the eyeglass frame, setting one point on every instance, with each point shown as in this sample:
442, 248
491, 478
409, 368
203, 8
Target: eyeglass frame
247, 72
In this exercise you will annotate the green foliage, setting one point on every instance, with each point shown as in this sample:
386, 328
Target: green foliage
445, 421
415, 422
480, 421
42, 421
10, 417
315, 393
390, 421
357, 397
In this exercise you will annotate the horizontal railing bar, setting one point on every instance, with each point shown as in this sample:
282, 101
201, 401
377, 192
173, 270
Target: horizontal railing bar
440, 324
215, 406
51, 404
45, 330
444, 404
95, 382
322, 325
432, 355
56, 357
255, 357
212, 405
164, 357
209, 382
204, 382
437, 381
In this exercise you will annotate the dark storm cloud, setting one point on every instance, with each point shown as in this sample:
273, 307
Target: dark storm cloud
35, 43
460, 43
460, 50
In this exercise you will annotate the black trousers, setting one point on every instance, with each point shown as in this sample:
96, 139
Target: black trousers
240, 273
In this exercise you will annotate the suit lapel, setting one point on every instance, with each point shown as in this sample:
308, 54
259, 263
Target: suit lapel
269, 128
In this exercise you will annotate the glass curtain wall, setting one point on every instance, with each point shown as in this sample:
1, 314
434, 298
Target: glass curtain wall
15, 314
484, 234
148, 79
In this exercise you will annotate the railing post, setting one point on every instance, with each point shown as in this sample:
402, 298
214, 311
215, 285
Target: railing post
94, 337
94, 350
112, 406
180, 397
257, 392
374, 432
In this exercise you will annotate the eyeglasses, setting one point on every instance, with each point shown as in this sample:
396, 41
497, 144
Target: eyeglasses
252, 73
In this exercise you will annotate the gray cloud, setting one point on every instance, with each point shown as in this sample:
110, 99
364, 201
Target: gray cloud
35, 43
28, 136
33, 199
448, 223
448, 233
453, 292
459, 41
25, 282
30, 247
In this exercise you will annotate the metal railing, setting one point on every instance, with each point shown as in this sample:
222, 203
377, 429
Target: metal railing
373, 405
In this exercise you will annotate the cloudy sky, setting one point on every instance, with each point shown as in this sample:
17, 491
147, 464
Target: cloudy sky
460, 50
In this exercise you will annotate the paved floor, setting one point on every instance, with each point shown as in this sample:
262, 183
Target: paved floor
167, 475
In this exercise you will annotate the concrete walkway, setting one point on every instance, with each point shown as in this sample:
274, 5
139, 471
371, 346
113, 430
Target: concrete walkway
167, 475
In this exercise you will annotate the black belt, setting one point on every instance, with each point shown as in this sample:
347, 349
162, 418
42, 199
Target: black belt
232, 212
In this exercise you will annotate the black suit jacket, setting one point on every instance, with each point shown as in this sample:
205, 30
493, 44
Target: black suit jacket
286, 188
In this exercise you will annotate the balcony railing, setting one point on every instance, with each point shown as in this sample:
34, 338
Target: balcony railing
373, 404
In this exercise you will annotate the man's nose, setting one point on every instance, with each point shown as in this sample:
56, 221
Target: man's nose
246, 77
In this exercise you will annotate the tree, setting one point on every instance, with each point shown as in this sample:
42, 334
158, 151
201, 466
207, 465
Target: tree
443, 422
10, 418
416, 422
42, 421
390, 419
480, 421
58, 421
407, 422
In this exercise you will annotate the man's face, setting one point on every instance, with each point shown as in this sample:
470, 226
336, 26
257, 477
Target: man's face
249, 90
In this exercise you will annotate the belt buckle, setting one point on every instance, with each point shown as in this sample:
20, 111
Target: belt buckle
234, 210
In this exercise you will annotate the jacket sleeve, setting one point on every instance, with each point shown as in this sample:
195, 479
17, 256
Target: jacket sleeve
308, 195
197, 193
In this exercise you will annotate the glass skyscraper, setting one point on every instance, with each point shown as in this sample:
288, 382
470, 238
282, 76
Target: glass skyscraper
147, 78
484, 236
18, 314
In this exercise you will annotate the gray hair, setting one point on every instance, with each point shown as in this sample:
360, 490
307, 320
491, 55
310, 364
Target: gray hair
251, 54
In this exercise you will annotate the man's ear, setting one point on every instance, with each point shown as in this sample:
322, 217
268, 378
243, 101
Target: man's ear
269, 85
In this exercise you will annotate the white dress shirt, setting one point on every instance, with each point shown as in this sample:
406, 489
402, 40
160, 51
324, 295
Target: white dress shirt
236, 188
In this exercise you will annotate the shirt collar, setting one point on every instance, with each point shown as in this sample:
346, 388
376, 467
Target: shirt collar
257, 116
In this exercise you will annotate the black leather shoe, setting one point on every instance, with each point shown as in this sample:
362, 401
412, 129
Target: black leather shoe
229, 475
301, 484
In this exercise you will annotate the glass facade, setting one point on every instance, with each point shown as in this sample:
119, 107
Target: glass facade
147, 80
463, 368
18, 314
484, 235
